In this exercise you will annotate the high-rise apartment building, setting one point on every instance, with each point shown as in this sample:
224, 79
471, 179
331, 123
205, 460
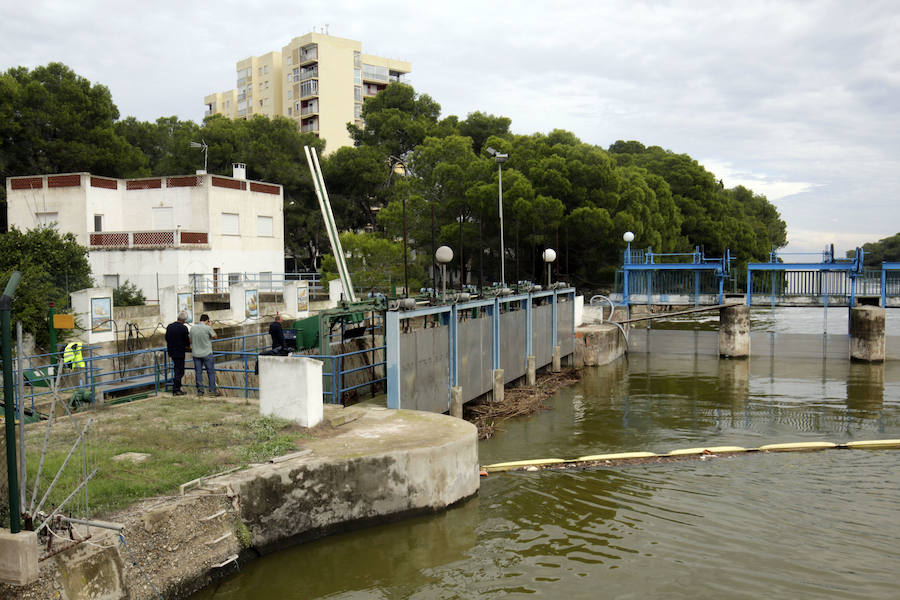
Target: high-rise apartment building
318, 80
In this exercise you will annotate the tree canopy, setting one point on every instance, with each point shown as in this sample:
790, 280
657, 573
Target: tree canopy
558, 191
884, 250
52, 266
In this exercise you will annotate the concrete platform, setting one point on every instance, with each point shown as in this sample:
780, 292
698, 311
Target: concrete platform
363, 465
383, 465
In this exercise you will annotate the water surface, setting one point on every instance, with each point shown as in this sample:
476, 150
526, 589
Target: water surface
780, 525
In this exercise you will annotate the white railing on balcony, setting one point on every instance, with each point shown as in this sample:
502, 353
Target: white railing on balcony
148, 239
309, 109
205, 283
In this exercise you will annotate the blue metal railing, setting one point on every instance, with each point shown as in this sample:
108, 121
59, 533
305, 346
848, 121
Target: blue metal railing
152, 368
106, 372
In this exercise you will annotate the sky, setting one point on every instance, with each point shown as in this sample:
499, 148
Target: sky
798, 101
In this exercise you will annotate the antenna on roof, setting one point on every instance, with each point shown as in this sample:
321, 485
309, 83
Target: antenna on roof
205, 153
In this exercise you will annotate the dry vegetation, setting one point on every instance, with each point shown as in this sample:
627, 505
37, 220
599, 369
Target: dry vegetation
517, 402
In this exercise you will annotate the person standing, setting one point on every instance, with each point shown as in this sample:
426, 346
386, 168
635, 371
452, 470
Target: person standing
276, 331
202, 335
177, 343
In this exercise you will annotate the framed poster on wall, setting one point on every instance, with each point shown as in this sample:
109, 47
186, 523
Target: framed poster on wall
302, 298
101, 314
251, 303
186, 304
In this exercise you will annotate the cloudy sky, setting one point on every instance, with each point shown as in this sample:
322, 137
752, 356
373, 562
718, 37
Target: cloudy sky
800, 101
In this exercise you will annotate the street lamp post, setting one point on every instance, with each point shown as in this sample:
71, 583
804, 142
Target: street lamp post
628, 237
549, 256
500, 159
399, 167
443, 255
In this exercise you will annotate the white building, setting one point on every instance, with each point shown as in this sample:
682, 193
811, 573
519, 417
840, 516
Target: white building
205, 230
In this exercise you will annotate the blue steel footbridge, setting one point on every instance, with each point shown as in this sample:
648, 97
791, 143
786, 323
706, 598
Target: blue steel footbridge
786, 279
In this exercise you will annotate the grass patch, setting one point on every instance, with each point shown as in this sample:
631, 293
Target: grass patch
271, 439
185, 437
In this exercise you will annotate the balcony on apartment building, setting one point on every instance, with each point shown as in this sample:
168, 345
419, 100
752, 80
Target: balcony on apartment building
309, 88
309, 108
309, 125
375, 73
309, 54
149, 240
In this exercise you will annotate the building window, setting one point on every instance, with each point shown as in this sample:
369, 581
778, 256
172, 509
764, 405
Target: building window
288, 59
264, 226
98, 223
259, 70
230, 224
357, 111
47, 219
357, 59
266, 69
290, 94
111, 281
357, 76
234, 278
357, 93
290, 111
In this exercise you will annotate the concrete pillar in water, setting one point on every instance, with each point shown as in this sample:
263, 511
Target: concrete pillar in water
867, 334
498, 385
556, 365
456, 402
531, 372
734, 331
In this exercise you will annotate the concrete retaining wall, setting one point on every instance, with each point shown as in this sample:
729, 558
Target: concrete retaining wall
417, 462
384, 465
597, 345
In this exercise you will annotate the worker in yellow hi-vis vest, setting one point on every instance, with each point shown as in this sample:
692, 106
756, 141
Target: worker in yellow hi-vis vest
72, 356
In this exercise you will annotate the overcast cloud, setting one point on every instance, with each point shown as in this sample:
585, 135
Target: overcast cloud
796, 100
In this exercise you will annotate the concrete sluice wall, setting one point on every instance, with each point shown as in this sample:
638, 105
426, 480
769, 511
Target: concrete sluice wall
425, 353
762, 344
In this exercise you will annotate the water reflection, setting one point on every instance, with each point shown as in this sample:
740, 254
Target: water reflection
865, 389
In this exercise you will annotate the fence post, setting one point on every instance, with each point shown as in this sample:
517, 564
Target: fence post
246, 367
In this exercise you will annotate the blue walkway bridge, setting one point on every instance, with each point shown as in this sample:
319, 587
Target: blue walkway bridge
787, 279
830, 277
677, 273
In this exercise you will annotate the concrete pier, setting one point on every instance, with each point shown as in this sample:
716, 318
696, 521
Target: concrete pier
867, 334
498, 388
734, 331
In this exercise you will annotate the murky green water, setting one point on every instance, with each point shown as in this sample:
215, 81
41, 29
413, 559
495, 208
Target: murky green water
789, 525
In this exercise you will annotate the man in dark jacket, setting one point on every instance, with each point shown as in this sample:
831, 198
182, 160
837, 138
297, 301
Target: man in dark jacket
277, 332
178, 341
